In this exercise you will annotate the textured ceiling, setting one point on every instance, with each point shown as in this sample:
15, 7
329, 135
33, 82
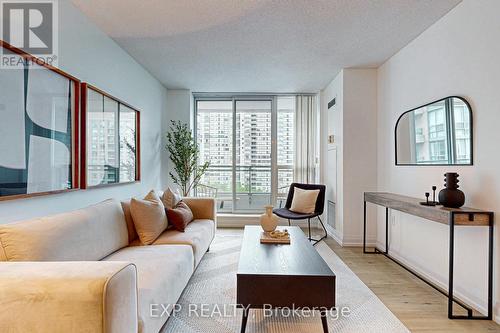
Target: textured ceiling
259, 45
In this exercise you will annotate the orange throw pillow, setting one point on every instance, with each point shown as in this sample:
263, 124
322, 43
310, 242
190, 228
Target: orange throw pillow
149, 217
180, 216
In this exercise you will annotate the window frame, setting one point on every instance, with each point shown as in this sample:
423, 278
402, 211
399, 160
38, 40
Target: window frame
273, 98
85, 87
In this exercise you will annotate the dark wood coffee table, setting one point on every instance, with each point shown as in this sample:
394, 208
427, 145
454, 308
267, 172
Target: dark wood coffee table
283, 276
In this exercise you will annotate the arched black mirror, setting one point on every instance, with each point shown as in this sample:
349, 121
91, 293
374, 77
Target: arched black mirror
438, 133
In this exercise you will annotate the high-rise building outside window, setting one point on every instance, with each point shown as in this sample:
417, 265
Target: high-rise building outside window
442, 133
249, 142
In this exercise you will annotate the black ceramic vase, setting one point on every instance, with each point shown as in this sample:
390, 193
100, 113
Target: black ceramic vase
451, 196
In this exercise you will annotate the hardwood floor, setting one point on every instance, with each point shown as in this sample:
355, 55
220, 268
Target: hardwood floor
417, 305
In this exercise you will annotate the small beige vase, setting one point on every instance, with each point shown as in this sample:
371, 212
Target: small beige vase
268, 220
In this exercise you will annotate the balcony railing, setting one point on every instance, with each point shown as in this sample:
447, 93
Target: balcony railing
252, 189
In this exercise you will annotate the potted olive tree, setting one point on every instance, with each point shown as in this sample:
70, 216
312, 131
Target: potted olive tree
184, 151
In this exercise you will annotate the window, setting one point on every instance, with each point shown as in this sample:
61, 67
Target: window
253, 154
438, 125
437, 122
286, 143
102, 113
462, 131
248, 168
214, 133
112, 140
436, 117
438, 150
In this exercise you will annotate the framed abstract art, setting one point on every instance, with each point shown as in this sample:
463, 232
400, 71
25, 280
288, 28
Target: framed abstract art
110, 139
39, 129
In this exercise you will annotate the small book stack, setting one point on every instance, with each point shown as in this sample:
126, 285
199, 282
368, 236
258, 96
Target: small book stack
275, 237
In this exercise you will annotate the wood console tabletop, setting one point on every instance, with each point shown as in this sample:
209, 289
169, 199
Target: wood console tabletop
440, 214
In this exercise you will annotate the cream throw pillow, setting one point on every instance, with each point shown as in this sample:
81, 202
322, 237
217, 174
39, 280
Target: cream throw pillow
149, 217
170, 198
304, 201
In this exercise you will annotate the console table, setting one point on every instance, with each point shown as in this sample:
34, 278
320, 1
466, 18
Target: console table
450, 216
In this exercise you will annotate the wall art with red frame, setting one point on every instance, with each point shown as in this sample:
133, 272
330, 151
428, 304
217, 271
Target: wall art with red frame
110, 139
39, 128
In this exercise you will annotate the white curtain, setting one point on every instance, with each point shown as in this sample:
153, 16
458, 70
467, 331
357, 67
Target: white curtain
306, 140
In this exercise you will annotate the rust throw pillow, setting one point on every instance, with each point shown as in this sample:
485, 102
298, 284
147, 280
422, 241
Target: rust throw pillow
180, 216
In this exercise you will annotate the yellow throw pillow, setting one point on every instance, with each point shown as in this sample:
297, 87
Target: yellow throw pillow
304, 201
149, 217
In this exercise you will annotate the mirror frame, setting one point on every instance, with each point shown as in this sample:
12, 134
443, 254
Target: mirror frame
84, 142
422, 106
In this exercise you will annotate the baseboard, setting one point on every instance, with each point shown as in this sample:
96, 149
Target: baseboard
440, 282
351, 241
334, 234
372, 242
241, 220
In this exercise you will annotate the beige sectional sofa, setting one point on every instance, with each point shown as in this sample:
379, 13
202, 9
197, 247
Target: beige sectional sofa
86, 271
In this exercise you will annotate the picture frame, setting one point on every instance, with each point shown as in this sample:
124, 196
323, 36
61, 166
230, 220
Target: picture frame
40, 107
110, 138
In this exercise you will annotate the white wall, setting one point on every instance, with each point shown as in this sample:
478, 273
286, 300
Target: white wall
459, 55
356, 142
91, 56
360, 150
179, 108
332, 124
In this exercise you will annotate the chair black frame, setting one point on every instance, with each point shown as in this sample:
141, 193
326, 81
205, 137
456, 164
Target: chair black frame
286, 213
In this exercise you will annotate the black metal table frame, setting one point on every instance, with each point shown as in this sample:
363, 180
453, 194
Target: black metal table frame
449, 294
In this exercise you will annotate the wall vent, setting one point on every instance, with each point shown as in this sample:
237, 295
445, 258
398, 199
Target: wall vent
331, 103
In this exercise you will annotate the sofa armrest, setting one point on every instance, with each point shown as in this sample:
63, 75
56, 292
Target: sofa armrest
87, 296
202, 208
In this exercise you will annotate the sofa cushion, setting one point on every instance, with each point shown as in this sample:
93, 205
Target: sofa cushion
69, 296
202, 208
149, 217
86, 234
198, 234
163, 272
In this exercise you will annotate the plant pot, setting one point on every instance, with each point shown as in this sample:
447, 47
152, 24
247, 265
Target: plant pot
268, 220
451, 196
